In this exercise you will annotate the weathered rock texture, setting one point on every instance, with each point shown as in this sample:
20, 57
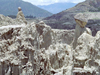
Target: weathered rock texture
86, 55
20, 16
36, 49
33, 50
81, 21
6, 20
20, 19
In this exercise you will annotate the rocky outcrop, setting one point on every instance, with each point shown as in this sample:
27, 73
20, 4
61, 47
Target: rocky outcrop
37, 49
81, 21
20, 19
86, 55
63, 36
20, 16
86, 50
33, 49
6, 20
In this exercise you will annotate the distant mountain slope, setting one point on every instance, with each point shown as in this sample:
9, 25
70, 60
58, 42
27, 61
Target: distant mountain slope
86, 6
65, 19
9, 7
57, 7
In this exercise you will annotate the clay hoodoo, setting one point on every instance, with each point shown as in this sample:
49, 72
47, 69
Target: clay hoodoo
20, 16
81, 21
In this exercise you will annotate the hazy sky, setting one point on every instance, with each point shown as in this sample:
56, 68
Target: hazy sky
47, 2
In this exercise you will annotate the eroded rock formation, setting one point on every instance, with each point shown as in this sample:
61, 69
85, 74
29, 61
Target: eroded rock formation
20, 19
37, 49
20, 16
85, 52
33, 50
6, 20
81, 21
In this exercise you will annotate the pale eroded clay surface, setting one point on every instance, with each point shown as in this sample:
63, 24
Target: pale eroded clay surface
36, 49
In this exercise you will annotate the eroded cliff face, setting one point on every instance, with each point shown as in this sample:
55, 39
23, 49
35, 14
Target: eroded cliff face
84, 50
36, 49
86, 55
